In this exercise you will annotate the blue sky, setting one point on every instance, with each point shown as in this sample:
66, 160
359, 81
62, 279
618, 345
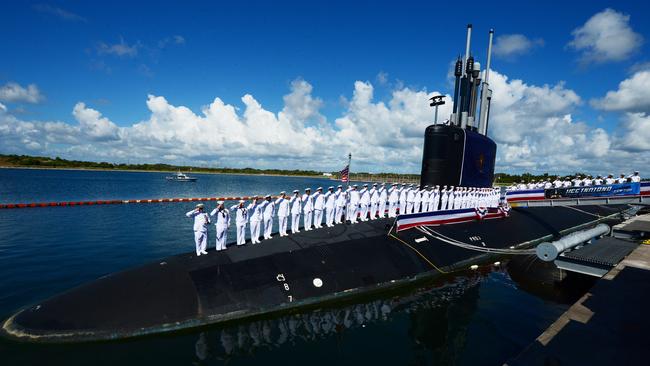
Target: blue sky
112, 56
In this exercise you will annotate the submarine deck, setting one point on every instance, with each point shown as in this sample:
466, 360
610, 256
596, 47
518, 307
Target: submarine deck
282, 273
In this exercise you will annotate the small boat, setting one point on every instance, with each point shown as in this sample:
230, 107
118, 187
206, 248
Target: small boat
181, 177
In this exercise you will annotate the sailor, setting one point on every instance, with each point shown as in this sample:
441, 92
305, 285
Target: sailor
319, 206
532, 184
330, 206
458, 198
610, 179
522, 185
296, 206
340, 204
307, 209
548, 185
451, 195
598, 181
364, 202
621, 179
425, 199
403, 193
383, 197
242, 218
417, 200
410, 199
587, 181
201, 222
353, 206
557, 183
566, 183
283, 213
374, 201
393, 199
577, 181
444, 197
255, 210
221, 224
434, 199
635, 177
269, 212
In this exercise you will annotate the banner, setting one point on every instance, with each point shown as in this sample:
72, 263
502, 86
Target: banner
448, 217
621, 189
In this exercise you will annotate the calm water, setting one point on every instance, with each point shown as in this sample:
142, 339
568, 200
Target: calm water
477, 320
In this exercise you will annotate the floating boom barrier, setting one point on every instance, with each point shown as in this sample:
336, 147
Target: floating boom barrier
118, 202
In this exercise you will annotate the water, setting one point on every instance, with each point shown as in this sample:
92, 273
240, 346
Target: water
475, 320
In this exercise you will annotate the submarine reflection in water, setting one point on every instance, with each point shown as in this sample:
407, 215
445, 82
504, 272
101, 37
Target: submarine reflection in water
434, 315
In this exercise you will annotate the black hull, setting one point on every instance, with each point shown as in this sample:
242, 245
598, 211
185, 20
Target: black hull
186, 291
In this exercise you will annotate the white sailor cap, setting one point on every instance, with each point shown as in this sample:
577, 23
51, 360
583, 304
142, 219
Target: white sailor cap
383, 183
365, 185
200, 205
267, 196
307, 189
636, 172
219, 203
394, 184
283, 192
339, 186
426, 186
374, 184
241, 201
296, 191
330, 187
319, 188
354, 185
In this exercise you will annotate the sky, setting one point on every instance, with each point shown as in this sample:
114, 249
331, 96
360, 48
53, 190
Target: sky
299, 85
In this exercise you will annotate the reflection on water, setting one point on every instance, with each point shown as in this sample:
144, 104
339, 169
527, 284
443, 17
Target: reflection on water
427, 310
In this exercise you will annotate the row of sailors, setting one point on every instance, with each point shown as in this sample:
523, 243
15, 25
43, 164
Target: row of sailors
577, 181
352, 204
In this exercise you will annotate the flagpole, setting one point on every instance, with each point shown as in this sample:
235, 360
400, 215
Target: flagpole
349, 172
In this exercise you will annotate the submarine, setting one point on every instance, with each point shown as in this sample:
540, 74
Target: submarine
320, 266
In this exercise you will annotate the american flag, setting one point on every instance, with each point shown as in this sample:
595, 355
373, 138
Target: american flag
345, 174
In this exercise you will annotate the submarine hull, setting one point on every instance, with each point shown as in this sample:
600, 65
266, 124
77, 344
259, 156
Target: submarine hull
280, 274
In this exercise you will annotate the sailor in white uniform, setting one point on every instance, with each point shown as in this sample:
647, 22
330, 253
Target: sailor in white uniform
458, 198
425, 198
319, 206
240, 222
610, 179
374, 201
364, 202
330, 206
557, 183
383, 197
269, 212
451, 193
255, 210
621, 179
282, 203
307, 209
434, 199
341, 199
635, 177
403, 194
201, 222
410, 199
443, 198
587, 181
296, 207
393, 199
221, 224
598, 181
353, 206
417, 200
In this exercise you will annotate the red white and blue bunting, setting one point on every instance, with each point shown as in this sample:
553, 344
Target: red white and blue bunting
404, 222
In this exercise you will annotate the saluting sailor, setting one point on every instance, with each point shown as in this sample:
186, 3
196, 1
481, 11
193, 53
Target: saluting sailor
383, 197
255, 210
635, 178
374, 201
425, 198
330, 206
410, 198
393, 199
434, 199
221, 224
451, 193
296, 207
283, 213
242, 218
319, 206
403, 195
269, 212
621, 179
307, 209
340, 204
201, 222
364, 201
443, 198
610, 179
353, 206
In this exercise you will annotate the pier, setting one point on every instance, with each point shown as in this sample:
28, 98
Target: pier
609, 324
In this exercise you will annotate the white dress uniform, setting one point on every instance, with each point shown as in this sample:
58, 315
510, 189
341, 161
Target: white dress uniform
319, 206
374, 201
330, 207
444, 196
410, 199
403, 194
296, 207
598, 181
364, 201
636, 178
340, 205
434, 200
240, 222
307, 210
383, 197
451, 196
393, 199
458, 199
255, 210
283, 215
353, 207
221, 225
417, 201
201, 222
425, 199
610, 180
621, 179
269, 212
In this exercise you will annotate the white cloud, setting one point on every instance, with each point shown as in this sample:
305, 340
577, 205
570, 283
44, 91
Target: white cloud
633, 95
512, 45
14, 93
174, 40
533, 125
606, 36
121, 49
58, 12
